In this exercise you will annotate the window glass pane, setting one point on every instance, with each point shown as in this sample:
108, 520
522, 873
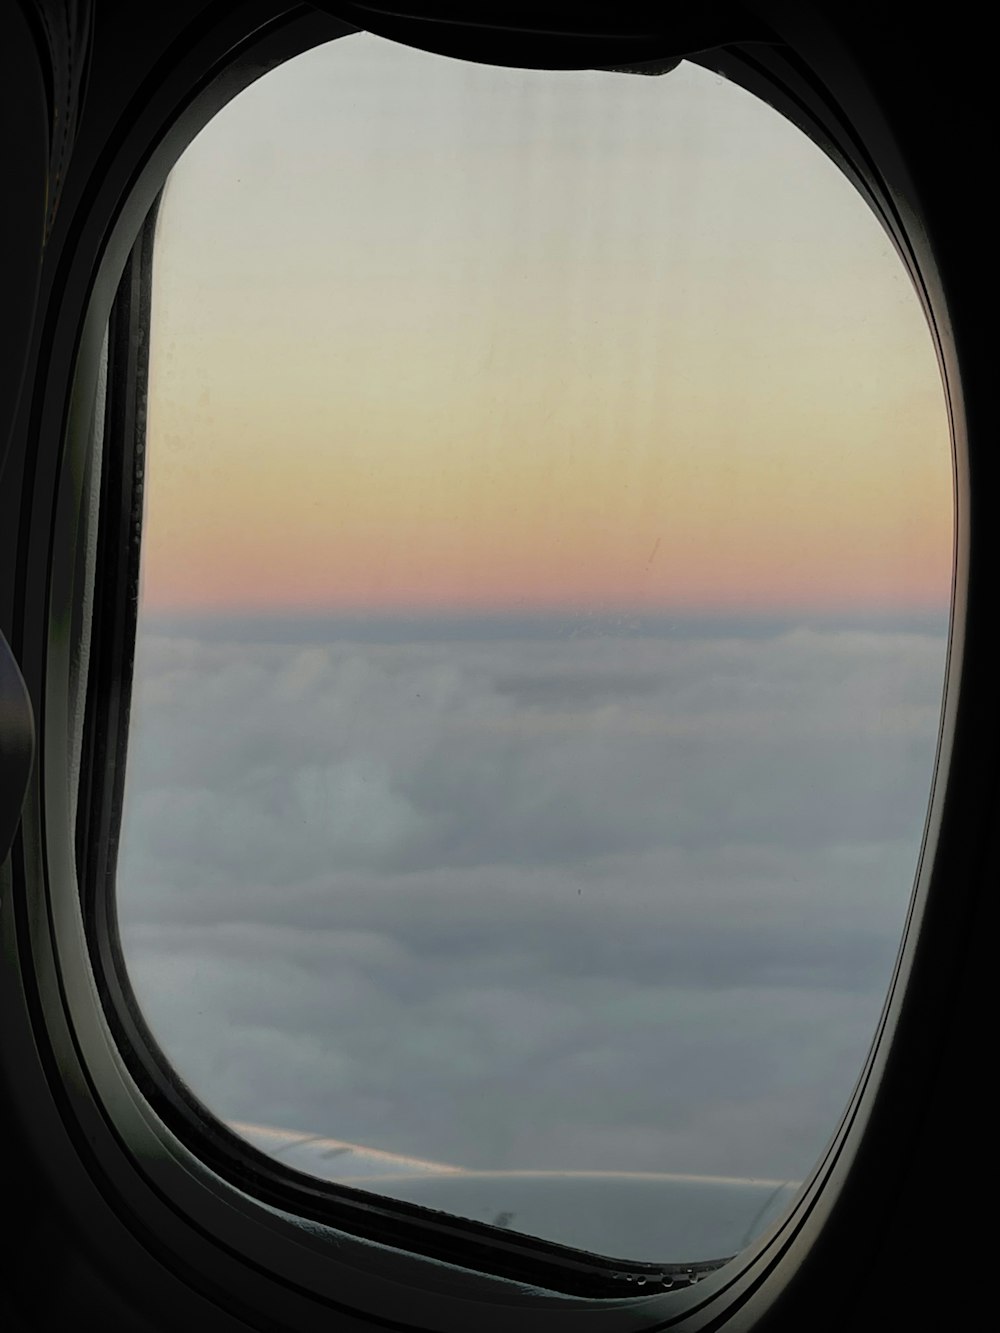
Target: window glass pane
546, 568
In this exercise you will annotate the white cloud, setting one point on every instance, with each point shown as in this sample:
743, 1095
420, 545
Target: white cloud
594, 902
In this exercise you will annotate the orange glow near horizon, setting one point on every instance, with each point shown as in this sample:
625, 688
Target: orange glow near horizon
423, 341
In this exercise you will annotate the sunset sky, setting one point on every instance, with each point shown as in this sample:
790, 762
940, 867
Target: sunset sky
435, 336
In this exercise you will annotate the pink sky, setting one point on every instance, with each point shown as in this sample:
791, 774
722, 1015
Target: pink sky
412, 349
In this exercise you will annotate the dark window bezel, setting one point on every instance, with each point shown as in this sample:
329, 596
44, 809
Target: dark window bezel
59, 1013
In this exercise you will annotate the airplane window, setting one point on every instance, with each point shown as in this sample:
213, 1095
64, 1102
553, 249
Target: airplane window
545, 587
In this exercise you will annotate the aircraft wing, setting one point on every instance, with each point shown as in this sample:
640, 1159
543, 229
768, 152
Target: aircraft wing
648, 1217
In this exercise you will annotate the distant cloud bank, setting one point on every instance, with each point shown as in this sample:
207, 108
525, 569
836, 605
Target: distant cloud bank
615, 900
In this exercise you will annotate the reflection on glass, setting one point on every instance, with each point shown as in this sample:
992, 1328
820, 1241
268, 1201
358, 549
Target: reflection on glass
545, 589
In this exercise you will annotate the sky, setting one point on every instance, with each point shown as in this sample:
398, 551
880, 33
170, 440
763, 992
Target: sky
546, 570
446, 335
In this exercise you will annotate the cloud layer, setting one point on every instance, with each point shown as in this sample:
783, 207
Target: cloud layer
562, 901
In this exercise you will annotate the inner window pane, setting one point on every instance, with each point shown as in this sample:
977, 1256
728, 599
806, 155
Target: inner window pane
546, 574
